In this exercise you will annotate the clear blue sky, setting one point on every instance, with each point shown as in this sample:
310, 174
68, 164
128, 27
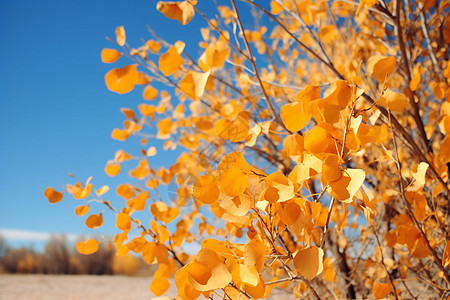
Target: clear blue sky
56, 113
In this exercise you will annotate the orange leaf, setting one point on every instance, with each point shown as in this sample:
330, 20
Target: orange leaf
150, 93
88, 247
138, 203
331, 168
110, 55
446, 255
255, 254
183, 12
193, 84
184, 287
294, 117
163, 212
214, 56
309, 262
381, 66
81, 210
234, 130
381, 290
94, 221
123, 221
159, 286
348, 184
206, 189
162, 234
112, 169
52, 195
294, 144
394, 101
208, 271
123, 80
120, 35
126, 191
170, 61
101, 191
232, 180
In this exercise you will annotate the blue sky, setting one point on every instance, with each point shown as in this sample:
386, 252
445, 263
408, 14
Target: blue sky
56, 112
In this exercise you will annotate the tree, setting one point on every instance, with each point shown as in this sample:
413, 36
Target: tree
312, 150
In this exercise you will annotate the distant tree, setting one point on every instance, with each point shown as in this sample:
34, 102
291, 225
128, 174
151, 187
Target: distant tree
57, 255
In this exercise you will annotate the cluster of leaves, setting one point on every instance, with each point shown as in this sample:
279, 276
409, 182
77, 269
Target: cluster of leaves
313, 157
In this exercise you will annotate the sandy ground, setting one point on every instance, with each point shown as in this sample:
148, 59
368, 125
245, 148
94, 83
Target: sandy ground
74, 287
86, 287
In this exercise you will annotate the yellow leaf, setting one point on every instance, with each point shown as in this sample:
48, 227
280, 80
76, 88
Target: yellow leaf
150, 93
193, 84
147, 110
138, 203
331, 168
159, 286
80, 192
309, 262
81, 210
112, 169
103, 190
123, 80
170, 61
110, 55
141, 171
184, 287
94, 221
183, 12
346, 187
126, 191
232, 180
206, 189
52, 195
123, 221
381, 290
163, 212
419, 171
278, 188
275, 8
234, 130
368, 3
120, 35
294, 144
88, 247
148, 252
162, 234
214, 56
255, 254
208, 271
395, 101
294, 117
381, 67
151, 151
446, 255
237, 206
444, 150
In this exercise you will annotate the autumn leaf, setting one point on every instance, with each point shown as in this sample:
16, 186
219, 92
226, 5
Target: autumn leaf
120, 36
110, 55
123, 80
81, 210
183, 12
88, 247
381, 67
52, 195
94, 221
309, 262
